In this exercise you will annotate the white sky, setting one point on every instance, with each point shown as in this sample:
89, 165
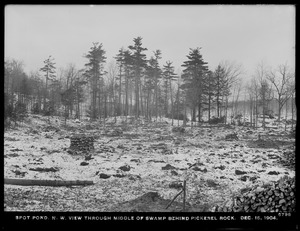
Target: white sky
246, 34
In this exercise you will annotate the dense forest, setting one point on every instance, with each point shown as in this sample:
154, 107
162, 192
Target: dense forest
133, 84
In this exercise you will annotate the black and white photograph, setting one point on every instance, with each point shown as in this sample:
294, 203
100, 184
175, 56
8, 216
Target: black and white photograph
150, 108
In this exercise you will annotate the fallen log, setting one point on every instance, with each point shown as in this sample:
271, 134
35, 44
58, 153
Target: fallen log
53, 183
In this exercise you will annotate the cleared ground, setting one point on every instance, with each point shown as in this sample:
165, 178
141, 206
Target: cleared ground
141, 158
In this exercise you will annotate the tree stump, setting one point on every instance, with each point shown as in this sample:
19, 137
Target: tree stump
81, 142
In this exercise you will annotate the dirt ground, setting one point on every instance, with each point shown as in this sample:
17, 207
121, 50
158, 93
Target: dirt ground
141, 166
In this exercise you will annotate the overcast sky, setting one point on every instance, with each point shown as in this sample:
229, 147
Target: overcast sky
243, 34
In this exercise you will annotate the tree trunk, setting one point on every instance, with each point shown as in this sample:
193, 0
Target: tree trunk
156, 108
171, 95
27, 182
226, 110
141, 100
292, 102
264, 112
279, 108
166, 98
193, 114
209, 106
184, 118
286, 108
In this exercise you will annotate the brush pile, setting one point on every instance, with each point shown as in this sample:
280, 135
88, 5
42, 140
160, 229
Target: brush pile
81, 142
232, 136
178, 129
277, 197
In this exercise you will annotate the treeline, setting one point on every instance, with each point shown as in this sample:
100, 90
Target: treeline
134, 85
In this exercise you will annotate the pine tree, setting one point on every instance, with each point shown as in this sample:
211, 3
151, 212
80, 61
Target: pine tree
169, 75
120, 58
49, 71
94, 72
194, 77
139, 63
220, 86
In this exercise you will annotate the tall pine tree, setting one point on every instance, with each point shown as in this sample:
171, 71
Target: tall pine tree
194, 77
94, 72
49, 72
139, 63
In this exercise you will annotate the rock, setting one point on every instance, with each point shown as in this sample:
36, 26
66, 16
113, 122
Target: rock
253, 178
264, 165
273, 173
88, 157
157, 161
168, 167
125, 168
135, 160
211, 183
238, 172
19, 173
84, 163
199, 169
16, 150
221, 167
119, 175
104, 176
13, 155
244, 178
174, 173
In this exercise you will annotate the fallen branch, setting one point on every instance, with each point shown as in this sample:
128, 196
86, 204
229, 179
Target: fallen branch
174, 199
27, 182
184, 194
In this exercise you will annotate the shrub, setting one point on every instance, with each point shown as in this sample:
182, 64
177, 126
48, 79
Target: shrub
216, 120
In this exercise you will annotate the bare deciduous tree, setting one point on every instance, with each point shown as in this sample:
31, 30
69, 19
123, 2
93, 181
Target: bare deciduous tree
281, 79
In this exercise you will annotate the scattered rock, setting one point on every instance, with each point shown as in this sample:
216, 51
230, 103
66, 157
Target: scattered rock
168, 167
119, 175
174, 173
88, 157
157, 161
244, 178
16, 150
13, 155
104, 176
211, 183
273, 173
84, 163
199, 169
264, 165
221, 167
238, 172
19, 173
253, 178
125, 168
